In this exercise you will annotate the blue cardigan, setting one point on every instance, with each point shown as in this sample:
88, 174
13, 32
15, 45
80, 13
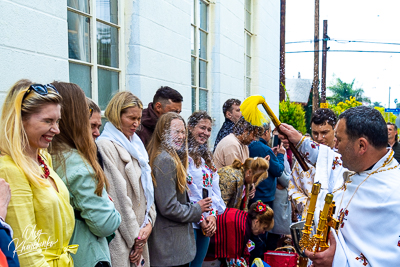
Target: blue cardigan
5, 240
265, 191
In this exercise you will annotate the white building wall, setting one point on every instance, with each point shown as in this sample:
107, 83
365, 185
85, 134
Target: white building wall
158, 49
33, 42
228, 54
157, 37
265, 69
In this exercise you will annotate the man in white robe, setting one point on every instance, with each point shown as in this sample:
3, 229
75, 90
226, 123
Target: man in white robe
323, 122
369, 207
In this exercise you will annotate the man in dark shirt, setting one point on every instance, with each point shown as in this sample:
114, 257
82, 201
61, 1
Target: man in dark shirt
231, 110
165, 100
393, 140
265, 191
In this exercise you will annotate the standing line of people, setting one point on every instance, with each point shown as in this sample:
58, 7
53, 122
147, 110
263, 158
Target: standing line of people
132, 195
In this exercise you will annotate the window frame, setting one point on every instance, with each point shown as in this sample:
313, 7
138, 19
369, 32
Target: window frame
93, 64
196, 55
248, 33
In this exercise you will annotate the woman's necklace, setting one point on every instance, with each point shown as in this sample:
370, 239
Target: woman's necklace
45, 169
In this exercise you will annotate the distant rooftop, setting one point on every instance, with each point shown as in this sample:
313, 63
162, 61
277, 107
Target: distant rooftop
298, 89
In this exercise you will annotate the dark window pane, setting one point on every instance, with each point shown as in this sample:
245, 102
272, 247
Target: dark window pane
81, 5
203, 73
193, 100
80, 74
192, 39
107, 10
203, 100
107, 45
248, 44
203, 15
248, 87
108, 83
78, 37
247, 5
248, 66
247, 22
192, 13
203, 45
194, 71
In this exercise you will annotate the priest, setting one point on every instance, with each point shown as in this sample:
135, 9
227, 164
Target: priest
368, 207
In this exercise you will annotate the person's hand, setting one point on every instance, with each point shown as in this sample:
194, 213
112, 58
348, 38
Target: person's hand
281, 149
144, 233
324, 258
5, 196
209, 226
205, 204
289, 133
252, 191
136, 254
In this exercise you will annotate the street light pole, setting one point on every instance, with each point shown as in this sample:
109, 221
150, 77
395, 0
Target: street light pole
389, 98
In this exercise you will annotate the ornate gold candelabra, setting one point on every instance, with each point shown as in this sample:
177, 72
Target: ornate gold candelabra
319, 241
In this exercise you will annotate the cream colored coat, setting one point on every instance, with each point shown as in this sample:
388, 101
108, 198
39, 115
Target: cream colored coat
123, 173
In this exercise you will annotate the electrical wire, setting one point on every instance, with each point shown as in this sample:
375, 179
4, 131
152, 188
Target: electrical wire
343, 41
346, 51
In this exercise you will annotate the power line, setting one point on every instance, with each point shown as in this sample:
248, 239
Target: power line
345, 51
344, 41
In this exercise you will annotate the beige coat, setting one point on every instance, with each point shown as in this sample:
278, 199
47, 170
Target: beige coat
123, 173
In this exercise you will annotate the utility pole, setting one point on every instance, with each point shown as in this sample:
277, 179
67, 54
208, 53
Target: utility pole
316, 57
282, 51
324, 50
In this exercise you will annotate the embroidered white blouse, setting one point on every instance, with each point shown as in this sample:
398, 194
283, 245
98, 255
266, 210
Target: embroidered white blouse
204, 177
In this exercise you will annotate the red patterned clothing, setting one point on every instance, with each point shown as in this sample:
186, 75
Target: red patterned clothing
233, 233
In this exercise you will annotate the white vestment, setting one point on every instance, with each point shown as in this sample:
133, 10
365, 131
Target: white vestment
369, 234
325, 168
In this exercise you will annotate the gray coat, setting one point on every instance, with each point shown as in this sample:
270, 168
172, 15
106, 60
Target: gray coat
172, 241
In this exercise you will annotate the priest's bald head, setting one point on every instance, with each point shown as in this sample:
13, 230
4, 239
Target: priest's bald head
362, 136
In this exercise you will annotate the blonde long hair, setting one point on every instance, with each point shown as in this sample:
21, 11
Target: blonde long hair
157, 144
75, 132
259, 166
13, 138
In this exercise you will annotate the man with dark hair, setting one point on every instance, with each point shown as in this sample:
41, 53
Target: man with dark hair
393, 140
231, 110
323, 122
165, 100
368, 208
234, 145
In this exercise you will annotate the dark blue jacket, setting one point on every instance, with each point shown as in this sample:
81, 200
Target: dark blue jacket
5, 240
265, 191
226, 129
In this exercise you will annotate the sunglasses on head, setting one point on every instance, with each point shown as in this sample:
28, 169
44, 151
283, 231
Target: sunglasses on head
40, 89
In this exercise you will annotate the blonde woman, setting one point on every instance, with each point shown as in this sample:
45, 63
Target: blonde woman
239, 180
126, 167
39, 212
172, 242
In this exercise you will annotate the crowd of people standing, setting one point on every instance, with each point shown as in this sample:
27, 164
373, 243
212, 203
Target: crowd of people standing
147, 190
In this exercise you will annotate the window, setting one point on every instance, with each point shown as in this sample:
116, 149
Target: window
247, 46
94, 48
199, 56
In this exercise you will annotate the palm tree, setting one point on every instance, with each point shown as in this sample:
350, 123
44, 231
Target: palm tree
377, 104
342, 92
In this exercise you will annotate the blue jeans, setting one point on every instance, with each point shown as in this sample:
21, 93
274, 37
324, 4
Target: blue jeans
202, 243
